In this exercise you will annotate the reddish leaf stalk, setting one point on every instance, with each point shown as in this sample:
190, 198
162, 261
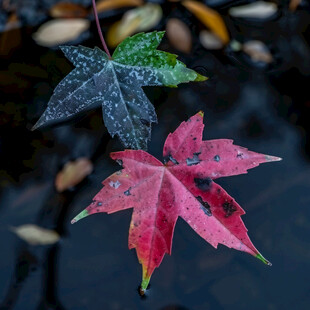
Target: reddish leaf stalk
99, 30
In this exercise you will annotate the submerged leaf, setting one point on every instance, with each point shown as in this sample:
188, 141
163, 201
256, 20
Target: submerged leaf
179, 35
68, 10
258, 51
182, 187
60, 31
208, 17
210, 40
36, 235
73, 173
139, 19
258, 9
106, 5
116, 85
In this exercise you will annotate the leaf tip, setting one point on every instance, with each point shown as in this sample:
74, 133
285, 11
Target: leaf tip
146, 276
81, 215
272, 158
263, 259
200, 78
39, 123
144, 285
201, 113
35, 126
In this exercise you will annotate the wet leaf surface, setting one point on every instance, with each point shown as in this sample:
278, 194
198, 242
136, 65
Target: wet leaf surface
116, 85
182, 187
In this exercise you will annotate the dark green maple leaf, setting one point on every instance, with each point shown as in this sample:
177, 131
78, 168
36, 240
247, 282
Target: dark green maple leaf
116, 83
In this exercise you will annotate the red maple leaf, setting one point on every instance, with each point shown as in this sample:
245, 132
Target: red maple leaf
182, 186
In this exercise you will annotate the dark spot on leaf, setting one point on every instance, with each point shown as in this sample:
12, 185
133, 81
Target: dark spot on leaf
193, 161
229, 208
194, 138
170, 158
240, 155
217, 158
127, 193
204, 206
203, 184
145, 122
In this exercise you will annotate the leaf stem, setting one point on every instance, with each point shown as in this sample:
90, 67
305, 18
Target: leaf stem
99, 30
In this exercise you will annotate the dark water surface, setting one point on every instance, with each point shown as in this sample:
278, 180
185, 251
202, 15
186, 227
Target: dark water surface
265, 109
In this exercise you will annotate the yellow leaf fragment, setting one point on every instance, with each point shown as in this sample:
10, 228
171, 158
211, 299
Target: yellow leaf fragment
209, 18
139, 19
73, 173
179, 35
36, 235
60, 31
106, 5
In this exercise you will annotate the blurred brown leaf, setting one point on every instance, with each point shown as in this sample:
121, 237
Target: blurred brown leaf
11, 37
73, 173
209, 18
179, 35
106, 5
294, 5
68, 10
36, 235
